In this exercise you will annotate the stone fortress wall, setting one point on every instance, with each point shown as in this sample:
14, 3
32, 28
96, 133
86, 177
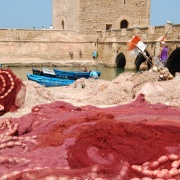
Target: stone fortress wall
110, 43
18, 45
93, 15
77, 33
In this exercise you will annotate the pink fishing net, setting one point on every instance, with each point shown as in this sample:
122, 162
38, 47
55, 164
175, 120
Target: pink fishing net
60, 140
12, 91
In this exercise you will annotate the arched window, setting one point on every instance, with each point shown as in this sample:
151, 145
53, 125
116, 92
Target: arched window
123, 24
62, 23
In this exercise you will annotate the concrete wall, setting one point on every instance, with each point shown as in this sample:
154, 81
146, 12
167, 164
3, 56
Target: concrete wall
57, 45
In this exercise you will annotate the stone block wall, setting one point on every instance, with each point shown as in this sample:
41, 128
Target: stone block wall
110, 43
65, 14
22, 45
92, 15
18, 45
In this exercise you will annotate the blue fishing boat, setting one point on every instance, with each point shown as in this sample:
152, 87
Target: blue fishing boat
73, 75
49, 81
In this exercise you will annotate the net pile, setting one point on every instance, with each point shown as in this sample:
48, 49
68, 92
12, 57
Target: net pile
12, 91
59, 140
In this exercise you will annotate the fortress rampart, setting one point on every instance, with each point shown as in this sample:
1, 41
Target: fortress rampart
22, 45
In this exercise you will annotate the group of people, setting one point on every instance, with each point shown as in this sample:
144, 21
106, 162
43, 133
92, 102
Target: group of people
43, 28
163, 53
93, 74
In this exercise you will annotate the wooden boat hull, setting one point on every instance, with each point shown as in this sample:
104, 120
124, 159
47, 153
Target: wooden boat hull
49, 81
73, 75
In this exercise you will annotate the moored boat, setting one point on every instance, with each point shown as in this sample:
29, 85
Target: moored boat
49, 81
73, 74
37, 72
44, 72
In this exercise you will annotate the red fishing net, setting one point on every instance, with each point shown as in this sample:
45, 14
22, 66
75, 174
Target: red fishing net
59, 140
12, 91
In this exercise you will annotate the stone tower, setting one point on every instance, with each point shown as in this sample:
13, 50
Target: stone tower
88, 16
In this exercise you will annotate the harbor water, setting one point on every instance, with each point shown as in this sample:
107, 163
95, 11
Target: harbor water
106, 72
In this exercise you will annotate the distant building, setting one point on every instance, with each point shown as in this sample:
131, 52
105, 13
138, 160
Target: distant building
89, 16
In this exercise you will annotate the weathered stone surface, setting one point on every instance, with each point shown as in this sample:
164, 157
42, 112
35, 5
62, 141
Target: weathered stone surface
79, 28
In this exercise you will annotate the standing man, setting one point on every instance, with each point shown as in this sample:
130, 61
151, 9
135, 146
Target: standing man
163, 54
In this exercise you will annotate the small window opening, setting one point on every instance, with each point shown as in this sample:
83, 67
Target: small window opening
124, 2
108, 26
123, 24
62, 23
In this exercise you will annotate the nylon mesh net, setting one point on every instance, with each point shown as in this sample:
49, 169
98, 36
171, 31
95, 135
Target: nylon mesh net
58, 140
12, 91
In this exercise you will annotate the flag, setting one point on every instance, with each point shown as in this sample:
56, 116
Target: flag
134, 52
161, 39
136, 42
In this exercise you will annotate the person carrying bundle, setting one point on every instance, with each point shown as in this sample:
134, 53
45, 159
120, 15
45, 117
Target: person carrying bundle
163, 53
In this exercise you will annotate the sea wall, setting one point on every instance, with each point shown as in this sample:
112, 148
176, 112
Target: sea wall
51, 45
28, 45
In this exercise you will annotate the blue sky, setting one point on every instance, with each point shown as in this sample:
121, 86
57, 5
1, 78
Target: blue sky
38, 13
163, 10
25, 13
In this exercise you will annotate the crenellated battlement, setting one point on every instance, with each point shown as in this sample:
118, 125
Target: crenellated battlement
148, 34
